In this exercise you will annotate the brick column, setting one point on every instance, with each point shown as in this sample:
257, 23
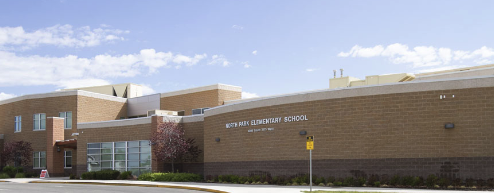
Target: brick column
156, 166
54, 159
1, 146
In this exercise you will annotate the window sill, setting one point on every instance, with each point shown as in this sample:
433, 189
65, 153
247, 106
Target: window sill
40, 130
16, 131
67, 128
67, 168
39, 168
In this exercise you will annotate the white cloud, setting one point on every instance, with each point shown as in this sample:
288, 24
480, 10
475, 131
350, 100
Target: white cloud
254, 52
147, 90
237, 27
219, 60
246, 64
15, 38
189, 61
248, 95
310, 69
4, 96
73, 71
422, 56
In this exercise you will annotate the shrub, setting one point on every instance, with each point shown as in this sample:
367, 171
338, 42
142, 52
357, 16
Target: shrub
31, 175
125, 175
457, 182
417, 181
395, 180
20, 175
431, 181
4, 175
349, 181
338, 183
72, 176
101, 175
360, 181
443, 182
9, 170
490, 182
469, 182
481, 183
242, 180
377, 184
331, 179
372, 179
301, 179
384, 179
170, 177
145, 177
407, 181
320, 180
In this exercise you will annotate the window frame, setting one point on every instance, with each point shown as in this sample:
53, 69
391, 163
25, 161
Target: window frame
65, 121
38, 115
65, 159
18, 124
39, 159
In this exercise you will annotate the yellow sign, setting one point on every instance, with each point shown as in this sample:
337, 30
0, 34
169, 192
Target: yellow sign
310, 142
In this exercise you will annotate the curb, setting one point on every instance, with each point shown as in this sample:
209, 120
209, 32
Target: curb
140, 185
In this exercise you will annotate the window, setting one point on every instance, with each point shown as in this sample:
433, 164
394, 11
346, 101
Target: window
39, 161
68, 159
39, 122
198, 111
67, 119
18, 123
132, 156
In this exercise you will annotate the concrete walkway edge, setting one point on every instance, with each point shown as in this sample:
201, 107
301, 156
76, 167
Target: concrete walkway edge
128, 184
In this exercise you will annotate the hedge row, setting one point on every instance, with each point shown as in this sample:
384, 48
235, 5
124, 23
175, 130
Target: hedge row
170, 177
432, 181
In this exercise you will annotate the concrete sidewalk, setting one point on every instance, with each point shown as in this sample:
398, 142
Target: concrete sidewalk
233, 188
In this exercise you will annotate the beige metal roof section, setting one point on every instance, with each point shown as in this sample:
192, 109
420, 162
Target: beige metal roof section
203, 88
484, 70
456, 70
127, 90
64, 93
349, 81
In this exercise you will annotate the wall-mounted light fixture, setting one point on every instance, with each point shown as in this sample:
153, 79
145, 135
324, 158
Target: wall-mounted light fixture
449, 126
58, 149
217, 139
303, 133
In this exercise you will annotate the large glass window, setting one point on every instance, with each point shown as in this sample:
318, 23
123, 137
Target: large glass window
198, 111
39, 121
132, 156
68, 159
67, 119
39, 161
18, 123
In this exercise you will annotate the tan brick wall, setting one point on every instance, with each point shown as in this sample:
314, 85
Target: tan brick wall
187, 102
195, 130
51, 106
94, 109
84, 109
408, 125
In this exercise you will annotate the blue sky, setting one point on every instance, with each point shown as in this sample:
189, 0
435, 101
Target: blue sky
266, 47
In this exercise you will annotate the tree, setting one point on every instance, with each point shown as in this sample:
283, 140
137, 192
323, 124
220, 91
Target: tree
169, 144
19, 152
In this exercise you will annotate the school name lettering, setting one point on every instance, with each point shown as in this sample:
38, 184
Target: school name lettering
266, 121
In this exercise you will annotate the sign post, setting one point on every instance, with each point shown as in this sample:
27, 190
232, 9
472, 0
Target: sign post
310, 147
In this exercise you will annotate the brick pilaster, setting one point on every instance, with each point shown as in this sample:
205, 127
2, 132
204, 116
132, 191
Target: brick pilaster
54, 159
